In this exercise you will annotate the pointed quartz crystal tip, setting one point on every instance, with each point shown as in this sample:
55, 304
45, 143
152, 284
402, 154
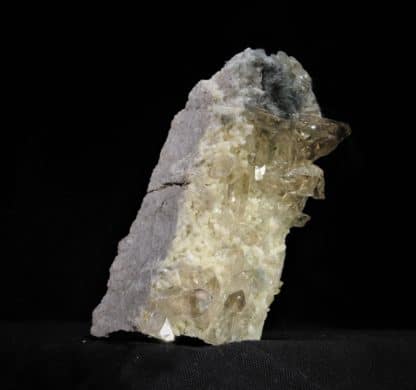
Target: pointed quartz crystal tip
205, 254
317, 135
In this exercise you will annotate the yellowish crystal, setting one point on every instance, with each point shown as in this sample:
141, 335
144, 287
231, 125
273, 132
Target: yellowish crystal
250, 186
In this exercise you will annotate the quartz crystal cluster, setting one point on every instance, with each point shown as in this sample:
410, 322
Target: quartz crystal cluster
205, 254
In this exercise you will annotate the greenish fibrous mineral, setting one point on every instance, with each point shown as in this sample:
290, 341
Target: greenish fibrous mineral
205, 254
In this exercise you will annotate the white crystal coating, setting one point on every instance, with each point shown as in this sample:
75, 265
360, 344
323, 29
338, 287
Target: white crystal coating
166, 333
259, 172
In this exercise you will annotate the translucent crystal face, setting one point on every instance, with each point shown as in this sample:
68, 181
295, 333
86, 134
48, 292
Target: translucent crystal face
223, 270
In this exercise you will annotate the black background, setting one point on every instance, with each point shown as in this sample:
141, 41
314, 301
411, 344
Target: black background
100, 98
96, 95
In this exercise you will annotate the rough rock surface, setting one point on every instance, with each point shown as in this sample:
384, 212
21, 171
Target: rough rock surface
205, 254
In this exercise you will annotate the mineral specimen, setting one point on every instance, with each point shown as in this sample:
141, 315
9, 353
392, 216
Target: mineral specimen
205, 254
